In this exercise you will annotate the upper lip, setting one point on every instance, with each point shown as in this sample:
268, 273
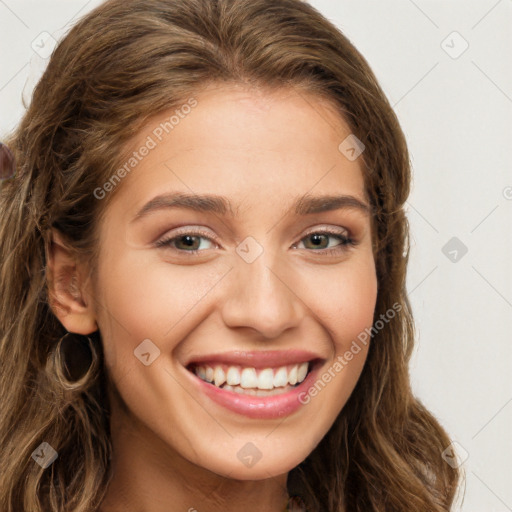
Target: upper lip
256, 358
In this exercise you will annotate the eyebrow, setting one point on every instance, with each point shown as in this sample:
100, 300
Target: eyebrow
303, 205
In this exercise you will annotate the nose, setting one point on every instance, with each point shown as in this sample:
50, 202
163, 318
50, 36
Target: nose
261, 296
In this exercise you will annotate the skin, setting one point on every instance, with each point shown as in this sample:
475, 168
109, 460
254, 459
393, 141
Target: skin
175, 449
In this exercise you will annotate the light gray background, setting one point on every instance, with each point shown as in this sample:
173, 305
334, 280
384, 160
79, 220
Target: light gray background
456, 110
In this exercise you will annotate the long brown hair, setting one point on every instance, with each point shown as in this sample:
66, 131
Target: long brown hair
122, 63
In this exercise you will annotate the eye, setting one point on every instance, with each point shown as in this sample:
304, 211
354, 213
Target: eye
189, 241
319, 238
185, 241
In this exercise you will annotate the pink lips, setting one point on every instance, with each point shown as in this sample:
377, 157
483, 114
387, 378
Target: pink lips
257, 407
257, 358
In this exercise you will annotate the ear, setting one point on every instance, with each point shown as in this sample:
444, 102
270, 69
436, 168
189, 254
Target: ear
68, 288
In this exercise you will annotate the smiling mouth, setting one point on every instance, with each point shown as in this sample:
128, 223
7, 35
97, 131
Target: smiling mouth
248, 380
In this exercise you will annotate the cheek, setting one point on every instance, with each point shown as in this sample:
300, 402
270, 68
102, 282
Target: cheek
343, 298
357, 298
145, 299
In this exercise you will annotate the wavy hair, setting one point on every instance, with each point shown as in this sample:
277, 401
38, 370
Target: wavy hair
123, 62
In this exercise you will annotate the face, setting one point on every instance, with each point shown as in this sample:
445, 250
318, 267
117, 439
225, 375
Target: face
223, 317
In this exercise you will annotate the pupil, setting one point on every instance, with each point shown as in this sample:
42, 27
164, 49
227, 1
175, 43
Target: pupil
316, 239
189, 240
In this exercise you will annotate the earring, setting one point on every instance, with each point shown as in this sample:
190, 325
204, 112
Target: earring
74, 362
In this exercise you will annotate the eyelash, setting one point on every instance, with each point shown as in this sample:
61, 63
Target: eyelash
346, 242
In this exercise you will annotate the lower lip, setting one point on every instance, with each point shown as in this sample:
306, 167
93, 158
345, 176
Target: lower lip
257, 407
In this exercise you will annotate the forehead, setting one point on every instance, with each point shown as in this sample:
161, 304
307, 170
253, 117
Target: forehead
247, 144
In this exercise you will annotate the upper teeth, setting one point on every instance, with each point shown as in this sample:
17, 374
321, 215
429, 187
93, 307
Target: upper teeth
267, 378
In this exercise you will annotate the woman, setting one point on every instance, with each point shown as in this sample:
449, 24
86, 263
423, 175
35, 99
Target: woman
174, 335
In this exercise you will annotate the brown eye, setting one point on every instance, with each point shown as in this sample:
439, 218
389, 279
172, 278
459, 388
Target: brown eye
185, 241
319, 240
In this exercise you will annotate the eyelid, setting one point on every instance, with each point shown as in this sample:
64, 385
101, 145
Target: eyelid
328, 229
185, 230
190, 229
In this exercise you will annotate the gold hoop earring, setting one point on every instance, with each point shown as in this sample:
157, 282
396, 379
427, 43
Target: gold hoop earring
74, 362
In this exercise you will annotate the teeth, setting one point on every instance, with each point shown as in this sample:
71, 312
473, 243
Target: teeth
280, 377
292, 375
201, 373
266, 379
233, 376
250, 381
219, 376
258, 392
302, 372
